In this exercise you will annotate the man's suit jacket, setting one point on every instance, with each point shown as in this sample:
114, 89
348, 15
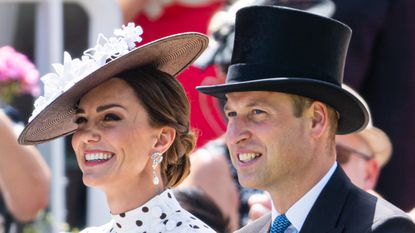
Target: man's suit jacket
344, 208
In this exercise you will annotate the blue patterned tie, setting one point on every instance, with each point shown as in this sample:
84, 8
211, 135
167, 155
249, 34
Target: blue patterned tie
280, 224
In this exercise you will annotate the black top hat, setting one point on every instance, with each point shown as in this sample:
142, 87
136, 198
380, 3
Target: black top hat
287, 50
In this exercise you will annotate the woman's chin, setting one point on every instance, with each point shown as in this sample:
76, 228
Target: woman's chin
93, 182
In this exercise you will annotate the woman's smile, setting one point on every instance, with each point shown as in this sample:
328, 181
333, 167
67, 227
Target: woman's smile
97, 158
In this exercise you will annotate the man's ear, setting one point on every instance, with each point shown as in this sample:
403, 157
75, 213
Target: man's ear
165, 139
319, 119
371, 174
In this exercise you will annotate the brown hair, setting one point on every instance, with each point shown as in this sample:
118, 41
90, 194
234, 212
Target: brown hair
300, 103
167, 105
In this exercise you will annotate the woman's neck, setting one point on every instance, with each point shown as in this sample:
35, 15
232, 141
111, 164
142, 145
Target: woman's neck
122, 198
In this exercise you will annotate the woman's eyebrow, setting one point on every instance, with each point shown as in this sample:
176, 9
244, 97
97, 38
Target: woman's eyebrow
101, 108
108, 106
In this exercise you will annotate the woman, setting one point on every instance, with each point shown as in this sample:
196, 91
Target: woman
130, 119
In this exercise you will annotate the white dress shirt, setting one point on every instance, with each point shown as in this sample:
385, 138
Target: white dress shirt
297, 213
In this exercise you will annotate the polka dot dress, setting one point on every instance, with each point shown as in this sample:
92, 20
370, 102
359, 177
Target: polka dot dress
159, 215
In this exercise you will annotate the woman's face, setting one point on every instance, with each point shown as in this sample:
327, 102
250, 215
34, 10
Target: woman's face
114, 140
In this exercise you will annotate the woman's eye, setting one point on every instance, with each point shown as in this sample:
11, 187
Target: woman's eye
111, 117
80, 120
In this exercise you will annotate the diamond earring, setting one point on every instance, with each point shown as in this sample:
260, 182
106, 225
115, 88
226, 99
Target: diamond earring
156, 158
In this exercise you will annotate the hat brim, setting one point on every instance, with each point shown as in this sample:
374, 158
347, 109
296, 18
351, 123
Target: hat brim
170, 54
353, 114
379, 142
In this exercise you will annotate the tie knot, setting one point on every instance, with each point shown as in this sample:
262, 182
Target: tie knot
280, 224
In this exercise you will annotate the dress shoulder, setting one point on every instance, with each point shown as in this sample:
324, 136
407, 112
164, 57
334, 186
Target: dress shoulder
107, 228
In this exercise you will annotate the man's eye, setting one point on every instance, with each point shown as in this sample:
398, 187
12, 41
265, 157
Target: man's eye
80, 120
111, 117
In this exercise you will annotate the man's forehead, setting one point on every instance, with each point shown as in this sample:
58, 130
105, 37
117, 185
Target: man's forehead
249, 98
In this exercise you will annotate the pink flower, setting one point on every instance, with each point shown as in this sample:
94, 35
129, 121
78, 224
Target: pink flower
18, 75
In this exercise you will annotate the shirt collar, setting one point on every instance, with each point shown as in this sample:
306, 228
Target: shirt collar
299, 211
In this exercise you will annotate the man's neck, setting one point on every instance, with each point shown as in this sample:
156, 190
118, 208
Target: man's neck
288, 194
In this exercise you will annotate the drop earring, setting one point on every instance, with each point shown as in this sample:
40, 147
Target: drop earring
156, 159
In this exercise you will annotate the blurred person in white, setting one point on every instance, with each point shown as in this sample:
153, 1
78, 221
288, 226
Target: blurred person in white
24, 175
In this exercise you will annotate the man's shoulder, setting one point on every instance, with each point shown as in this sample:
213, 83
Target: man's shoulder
375, 214
389, 216
261, 225
346, 208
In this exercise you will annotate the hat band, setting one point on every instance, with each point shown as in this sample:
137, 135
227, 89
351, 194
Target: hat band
244, 72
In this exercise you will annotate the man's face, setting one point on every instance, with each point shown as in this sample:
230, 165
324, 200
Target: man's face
267, 143
353, 155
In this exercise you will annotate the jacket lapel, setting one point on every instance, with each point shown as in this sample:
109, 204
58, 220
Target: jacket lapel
326, 211
261, 225
266, 227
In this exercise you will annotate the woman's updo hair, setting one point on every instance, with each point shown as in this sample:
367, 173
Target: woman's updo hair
167, 105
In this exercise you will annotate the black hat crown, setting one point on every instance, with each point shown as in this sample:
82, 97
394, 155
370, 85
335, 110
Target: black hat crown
287, 50
288, 43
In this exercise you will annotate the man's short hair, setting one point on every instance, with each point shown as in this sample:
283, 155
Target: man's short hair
301, 103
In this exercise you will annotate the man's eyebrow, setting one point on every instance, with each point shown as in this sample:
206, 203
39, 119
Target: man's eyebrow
250, 104
101, 108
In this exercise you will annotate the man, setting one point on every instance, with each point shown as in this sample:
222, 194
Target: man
211, 168
362, 155
284, 106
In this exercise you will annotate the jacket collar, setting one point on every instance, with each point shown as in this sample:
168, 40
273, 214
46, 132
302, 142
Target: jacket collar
325, 213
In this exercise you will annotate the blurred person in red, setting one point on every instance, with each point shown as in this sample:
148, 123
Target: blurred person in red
161, 18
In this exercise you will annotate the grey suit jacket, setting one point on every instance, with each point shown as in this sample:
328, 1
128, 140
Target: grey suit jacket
261, 225
343, 208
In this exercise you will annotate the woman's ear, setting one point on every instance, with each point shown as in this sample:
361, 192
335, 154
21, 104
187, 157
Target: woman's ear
165, 139
319, 119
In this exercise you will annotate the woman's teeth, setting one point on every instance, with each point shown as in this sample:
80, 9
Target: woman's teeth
97, 156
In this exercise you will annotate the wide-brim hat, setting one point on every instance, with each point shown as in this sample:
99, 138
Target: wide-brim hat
379, 143
296, 52
170, 54
376, 139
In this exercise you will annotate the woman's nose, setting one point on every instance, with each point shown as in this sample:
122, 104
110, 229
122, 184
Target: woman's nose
87, 134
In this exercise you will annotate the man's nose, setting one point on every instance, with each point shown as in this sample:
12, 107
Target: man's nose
237, 131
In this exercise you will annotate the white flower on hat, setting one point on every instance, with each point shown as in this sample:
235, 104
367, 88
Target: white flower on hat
131, 33
73, 70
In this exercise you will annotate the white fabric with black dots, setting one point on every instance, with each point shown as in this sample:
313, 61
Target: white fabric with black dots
159, 215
